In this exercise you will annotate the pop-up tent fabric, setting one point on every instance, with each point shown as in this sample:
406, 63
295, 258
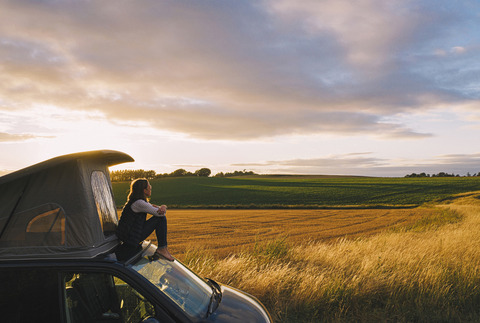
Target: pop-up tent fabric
60, 208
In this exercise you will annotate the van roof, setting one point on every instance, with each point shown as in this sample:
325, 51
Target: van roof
108, 157
60, 208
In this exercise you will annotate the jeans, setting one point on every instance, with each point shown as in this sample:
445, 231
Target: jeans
159, 225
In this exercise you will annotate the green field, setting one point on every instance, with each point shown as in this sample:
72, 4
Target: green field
299, 191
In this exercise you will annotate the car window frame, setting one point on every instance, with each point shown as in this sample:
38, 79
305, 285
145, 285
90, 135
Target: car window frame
162, 304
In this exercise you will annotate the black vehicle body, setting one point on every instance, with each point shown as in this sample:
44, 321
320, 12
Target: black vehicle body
60, 260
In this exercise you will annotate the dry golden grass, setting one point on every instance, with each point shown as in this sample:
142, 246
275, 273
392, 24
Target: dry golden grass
430, 273
342, 265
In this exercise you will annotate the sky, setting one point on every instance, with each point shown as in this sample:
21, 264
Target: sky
335, 87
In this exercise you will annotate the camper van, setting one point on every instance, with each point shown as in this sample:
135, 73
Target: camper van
60, 260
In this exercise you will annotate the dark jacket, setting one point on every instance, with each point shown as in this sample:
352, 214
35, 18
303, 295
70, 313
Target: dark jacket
130, 226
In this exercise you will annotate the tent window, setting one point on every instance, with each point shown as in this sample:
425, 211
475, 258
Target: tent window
104, 201
43, 225
47, 228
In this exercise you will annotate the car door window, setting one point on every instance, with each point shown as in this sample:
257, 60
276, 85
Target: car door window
101, 297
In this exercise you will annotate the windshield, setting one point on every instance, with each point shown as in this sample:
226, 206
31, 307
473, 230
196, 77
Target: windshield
176, 281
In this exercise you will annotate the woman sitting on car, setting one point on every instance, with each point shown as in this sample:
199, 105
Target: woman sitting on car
134, 227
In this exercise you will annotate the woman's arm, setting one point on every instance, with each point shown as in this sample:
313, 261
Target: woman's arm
143, 206
162, 208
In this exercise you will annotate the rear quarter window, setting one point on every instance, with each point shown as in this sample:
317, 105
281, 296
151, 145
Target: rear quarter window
104, 202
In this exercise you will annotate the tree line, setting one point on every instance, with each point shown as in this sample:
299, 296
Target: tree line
129, 175
441, 174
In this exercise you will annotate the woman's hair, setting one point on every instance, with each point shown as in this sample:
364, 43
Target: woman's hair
137, 188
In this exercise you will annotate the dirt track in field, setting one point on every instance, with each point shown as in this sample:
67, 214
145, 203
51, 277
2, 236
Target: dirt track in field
229, 231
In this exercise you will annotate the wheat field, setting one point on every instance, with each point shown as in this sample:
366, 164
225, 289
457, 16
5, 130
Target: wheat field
428, 271
395, 265
226, 232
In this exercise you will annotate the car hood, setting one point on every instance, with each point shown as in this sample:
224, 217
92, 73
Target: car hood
237, 306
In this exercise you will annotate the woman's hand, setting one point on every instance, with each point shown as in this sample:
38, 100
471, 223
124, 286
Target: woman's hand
162, 209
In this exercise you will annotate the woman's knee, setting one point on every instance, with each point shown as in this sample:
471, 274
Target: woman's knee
162, 219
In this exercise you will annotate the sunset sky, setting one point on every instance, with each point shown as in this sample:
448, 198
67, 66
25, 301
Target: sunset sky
366, 87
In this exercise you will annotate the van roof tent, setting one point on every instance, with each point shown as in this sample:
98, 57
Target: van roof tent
60, 208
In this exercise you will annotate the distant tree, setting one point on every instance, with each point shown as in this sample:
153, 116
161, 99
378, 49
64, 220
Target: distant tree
150, 174
162, 175
239, 173
418, 175
443, 174
203, 172
179, 172
129, 175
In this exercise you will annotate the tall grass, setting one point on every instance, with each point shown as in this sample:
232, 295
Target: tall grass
429, 272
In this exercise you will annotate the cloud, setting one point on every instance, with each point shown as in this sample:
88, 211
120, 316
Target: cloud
459, 159
8, 137
237, 70
367, 31
356, 160
458, 50
367, 164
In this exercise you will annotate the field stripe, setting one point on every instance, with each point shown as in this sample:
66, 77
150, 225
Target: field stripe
229, 231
